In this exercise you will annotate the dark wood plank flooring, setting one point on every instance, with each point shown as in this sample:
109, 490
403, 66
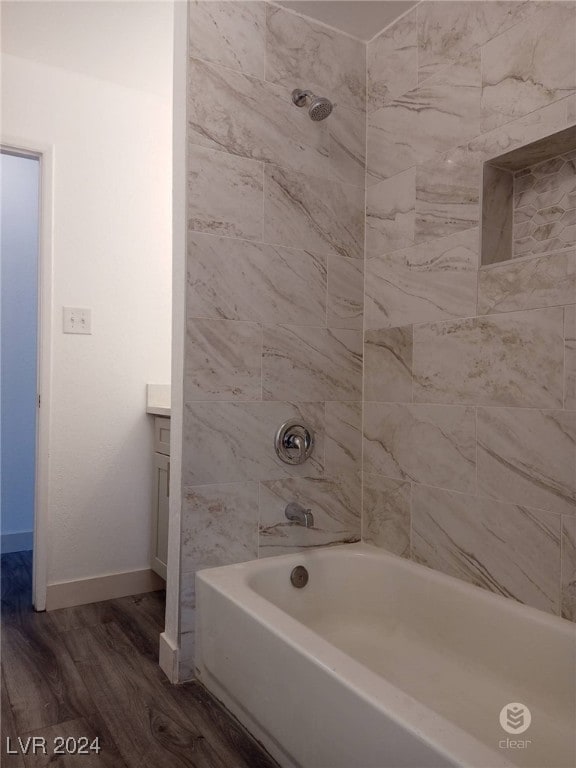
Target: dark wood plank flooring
92, 671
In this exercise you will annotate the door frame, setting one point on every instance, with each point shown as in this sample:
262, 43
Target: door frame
44, 153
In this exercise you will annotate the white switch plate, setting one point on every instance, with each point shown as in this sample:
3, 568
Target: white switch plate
77, 320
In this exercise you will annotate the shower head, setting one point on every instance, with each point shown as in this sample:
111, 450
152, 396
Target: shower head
319, 107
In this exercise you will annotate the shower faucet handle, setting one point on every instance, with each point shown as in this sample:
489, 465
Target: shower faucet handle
294, 442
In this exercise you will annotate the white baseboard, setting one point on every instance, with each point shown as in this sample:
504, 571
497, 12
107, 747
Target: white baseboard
17, 542
168, 658
67, 594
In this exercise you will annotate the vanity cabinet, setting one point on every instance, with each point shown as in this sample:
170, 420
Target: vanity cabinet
161, 495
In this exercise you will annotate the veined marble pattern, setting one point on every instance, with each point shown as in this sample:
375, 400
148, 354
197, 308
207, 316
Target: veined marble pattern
390, 214
441, 113
570, 357
343, 438
347, 134
300, 54
392, 62
233, 442
388, 365
239, 280
225, 194
223, 360
303, 363
313, 214
432, 444
497, 219
540, 282
448, 30
345, 299
334, 504
429, 281
511, 550
229, 33
545, 206
569, 568
242, 115
219, 525
527, 456
188, 601
386, 514
508, 359
571, 110
525, 130
522, 70
447, 198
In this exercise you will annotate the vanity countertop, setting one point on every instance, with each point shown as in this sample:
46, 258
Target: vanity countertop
158, 399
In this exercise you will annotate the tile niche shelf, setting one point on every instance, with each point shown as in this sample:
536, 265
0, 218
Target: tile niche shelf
529, 200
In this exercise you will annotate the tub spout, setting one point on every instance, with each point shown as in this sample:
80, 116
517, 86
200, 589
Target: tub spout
297, 514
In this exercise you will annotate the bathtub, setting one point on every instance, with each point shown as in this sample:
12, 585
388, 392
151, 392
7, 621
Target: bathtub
382, 663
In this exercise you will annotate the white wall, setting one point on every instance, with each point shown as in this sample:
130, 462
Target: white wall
19, 283
112, 253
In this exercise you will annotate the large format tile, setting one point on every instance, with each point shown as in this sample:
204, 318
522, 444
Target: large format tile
449, 29
390, 214
527, 456
223, 360
509, 359
343, 438
239, 280
347, 136
529, 66
302, 54
447, 198
569, 568
388, 365
511, 550
225, 194
229, 33
570, 358
219, 525
335, 505
429, 281
392, 62
525, 130
441, 113
314, 214
232, 442
345, 298
541, 282
497, 214
386, 514
432, 444
306, 364
242, 115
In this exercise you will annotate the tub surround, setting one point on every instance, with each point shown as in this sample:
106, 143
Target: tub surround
469, 421
274, 287
465, 376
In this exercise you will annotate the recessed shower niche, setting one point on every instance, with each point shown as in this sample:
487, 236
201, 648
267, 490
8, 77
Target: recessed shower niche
529, 200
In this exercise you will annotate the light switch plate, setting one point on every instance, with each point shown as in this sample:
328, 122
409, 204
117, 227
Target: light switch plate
77, 320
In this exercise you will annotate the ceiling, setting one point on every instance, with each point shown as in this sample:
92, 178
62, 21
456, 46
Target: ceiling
361, 18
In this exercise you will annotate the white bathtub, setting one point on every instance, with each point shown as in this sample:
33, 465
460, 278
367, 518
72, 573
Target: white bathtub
382, 663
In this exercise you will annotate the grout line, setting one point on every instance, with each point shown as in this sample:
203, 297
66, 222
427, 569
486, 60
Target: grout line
393, 22
311, 20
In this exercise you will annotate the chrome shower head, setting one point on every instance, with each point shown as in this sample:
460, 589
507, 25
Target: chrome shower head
320, 107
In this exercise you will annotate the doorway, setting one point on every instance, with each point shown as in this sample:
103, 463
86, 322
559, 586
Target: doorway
19, 271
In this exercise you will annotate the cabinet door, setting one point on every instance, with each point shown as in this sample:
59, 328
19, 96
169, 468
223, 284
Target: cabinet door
160, 505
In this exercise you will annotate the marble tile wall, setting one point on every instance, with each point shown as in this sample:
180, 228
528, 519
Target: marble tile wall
275, 274
469, 386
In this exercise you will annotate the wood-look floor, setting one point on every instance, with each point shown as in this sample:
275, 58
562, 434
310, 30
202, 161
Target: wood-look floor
93, 671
